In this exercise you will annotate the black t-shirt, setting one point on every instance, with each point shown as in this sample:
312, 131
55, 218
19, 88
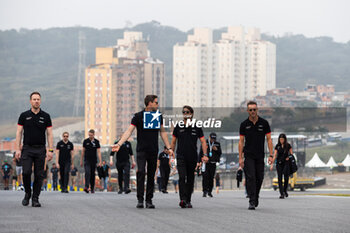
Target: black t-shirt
73, 172
147, 139
18, 161
91, 149
6, 168
282, 153
54, 172
187, 141
65, 149
34, 126
124, 152
254, 146
164, 159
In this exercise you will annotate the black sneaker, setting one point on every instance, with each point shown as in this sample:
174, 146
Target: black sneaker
251, 206
66, 191
256, 202
286, 194
127, 191
120, 191
164, 191
282, 196
35, 202
139, 205
204, 194
210, 195
26, 199
189, 205
149, 205
86, 190
182, 204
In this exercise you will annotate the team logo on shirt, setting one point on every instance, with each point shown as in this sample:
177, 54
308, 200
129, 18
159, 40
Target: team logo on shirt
151, 120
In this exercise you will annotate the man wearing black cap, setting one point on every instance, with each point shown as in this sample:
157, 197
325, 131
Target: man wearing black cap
252, 138
214, 153
34, 124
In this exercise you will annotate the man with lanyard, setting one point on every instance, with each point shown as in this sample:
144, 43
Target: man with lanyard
33, 124
214, 154
123, 165
147, 149
252, 137
164, 166
91, 148
64, 160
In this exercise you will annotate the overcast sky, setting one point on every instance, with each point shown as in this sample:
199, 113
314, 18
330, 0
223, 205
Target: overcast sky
309, 17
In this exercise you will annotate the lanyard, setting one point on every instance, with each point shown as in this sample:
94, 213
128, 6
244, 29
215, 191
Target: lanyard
211, 146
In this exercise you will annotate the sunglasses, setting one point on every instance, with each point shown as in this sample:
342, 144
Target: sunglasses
186, 112
252, 109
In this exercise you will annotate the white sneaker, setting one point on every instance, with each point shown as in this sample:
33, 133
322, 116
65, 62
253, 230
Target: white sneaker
22, 188
105, 190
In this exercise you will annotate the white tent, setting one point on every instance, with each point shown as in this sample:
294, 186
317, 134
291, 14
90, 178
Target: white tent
331, 162
315, 162
346, 161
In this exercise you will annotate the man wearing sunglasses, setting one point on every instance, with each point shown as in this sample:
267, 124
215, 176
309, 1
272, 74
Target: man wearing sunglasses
252, 138
147, 150
64, 160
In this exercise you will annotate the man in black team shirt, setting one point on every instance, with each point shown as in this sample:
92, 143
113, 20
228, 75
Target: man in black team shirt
252, 138
147, 148
64, 160
33, 124
91, 148
123, 165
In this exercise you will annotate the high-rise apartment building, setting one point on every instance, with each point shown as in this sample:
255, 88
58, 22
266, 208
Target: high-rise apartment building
225, 73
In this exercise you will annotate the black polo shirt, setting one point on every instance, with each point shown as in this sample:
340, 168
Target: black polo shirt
282, 153
187, 142
91, 149
163, 159
147, 139
65, 151
254, 146
34, 126
123, 155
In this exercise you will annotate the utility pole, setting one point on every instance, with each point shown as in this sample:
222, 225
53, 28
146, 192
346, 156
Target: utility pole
81, 67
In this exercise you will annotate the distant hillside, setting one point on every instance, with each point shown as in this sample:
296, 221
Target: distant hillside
47, 61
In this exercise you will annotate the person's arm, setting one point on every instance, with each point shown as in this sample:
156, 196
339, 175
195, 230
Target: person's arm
269, 144
49, 135
18, 141
133, 163
72, 158
164, 136
57, 158
126, 136
204, 149
82, 156
109, 173
240, 151
173, 143
99, 156
273, 159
